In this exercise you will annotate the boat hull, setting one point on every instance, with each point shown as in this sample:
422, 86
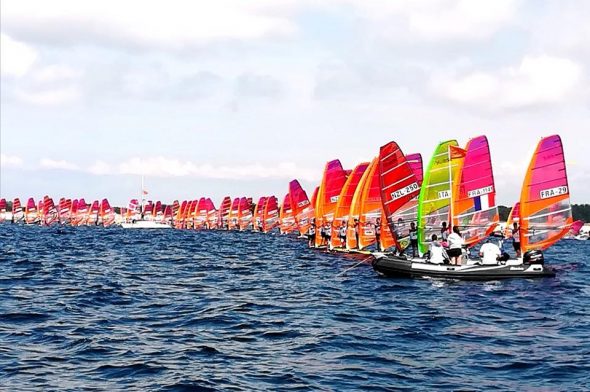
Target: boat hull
393, 266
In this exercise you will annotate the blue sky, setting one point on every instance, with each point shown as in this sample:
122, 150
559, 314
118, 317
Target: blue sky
234, 97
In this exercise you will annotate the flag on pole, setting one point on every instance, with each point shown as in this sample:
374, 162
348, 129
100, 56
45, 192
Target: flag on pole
457, 152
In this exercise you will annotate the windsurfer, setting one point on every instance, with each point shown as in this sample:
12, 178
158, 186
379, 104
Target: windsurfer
413, 238
356, 233
378, 234
444, 234
311, 234
328, 234
342, 233
456, 243
516, 238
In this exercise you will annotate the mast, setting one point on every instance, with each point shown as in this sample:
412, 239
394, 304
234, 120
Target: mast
141, 209
450, 222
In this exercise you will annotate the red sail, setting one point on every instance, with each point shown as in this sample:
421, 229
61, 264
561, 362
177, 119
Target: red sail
286, 217
223, 213
270, 216
106, 214
302, 209
259, 214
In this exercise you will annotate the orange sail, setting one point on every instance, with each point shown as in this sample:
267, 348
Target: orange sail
353, 227
371, 208
342, 209
545, 208
259, 214
244, 214
328, 194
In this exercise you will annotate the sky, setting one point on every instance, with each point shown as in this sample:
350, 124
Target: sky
237, 97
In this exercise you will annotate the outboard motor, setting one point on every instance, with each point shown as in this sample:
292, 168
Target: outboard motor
533, 257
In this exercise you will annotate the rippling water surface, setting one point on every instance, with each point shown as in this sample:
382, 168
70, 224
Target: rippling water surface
109, 309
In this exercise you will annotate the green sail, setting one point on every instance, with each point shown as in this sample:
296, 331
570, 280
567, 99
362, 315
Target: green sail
435, 195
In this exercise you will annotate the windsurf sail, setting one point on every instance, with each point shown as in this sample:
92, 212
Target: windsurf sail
270, 215
106, 213
545, 208
474, 193
201, 214
3, 207
168, 214
576, 227
181, 215
302, 209
342, 209
31, 214
158, 212
92, 218
434, 201
371, 206
353, 228
400, 187
49, 211
415, 161
259, 214
327, 196
211, 221
233, 222
18, 214
223, 213
286, 217
245, 213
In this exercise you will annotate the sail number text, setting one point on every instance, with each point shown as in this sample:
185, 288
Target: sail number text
404, 191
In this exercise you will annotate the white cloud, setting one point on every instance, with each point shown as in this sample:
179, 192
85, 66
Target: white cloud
536, 80
49, 97
17, 58
55, 73
10, 160
166, 167
100, 168
62, 164
174, 25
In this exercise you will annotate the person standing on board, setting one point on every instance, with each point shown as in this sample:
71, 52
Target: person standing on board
356, 233
456, 243
516, 239
378, 234
444, 234
342, 234
413, 238
328, 233
311, 234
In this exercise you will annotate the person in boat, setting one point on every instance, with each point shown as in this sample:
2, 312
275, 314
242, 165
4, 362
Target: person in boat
436, 252
455, 243
444, 234
378, 234
413, 238
490, 253
311, 234
356, 232
342, 234
516, 238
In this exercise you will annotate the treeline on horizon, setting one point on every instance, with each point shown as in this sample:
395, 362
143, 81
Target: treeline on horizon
579, 211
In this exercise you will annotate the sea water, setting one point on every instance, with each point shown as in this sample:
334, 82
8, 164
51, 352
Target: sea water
113, 309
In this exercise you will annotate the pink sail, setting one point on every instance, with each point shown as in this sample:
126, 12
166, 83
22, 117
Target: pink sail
474, 193
302, 209
234, 211
545, 207
576, 227
415, 161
